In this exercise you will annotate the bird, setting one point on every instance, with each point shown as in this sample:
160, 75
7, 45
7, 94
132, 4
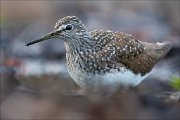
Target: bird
101, 61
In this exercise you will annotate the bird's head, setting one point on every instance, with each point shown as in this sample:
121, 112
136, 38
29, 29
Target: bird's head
68, 29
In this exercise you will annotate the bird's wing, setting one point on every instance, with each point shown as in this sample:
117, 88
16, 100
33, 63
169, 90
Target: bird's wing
124, 49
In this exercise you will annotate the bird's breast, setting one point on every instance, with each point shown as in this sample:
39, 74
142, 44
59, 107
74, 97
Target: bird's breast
105, 82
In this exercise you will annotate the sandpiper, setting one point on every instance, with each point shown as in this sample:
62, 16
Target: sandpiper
100, 61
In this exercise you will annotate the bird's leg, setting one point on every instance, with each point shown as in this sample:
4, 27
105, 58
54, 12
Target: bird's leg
78, 92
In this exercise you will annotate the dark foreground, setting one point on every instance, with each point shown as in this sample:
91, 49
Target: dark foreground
45, 97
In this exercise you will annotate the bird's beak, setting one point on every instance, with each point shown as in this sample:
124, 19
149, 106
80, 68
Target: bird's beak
45, 37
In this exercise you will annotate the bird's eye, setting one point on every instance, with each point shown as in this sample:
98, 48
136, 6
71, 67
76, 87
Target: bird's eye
69, 27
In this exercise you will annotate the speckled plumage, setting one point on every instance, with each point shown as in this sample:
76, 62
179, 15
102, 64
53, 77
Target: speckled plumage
102, 60
109, 50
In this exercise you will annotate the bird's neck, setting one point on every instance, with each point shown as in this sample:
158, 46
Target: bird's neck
84, 43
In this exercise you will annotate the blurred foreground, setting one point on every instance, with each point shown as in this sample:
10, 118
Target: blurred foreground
45, 97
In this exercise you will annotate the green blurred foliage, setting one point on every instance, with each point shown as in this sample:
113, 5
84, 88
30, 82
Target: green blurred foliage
2, 19
175, 82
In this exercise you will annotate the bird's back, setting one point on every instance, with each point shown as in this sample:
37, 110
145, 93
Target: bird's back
124, 49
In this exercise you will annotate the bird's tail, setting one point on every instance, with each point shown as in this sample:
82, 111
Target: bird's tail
157, 50
162, 48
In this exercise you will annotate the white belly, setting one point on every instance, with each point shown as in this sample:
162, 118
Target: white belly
107, 82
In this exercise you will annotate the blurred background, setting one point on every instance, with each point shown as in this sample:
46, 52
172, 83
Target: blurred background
35, 82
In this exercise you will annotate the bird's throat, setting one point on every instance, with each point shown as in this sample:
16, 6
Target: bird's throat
82, 44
